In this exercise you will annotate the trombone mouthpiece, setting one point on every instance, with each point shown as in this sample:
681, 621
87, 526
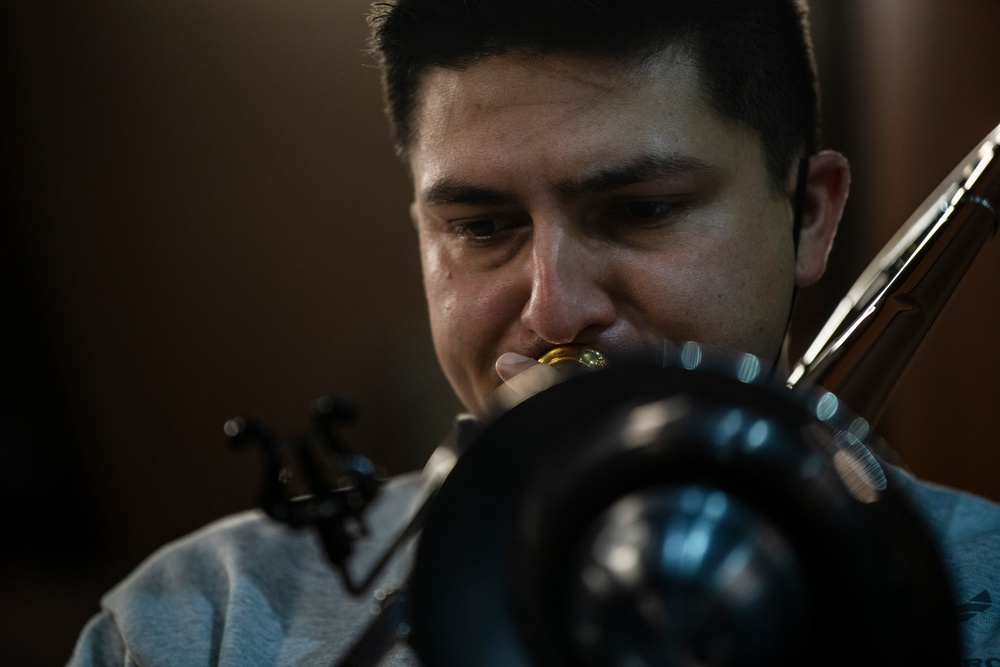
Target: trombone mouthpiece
584, 356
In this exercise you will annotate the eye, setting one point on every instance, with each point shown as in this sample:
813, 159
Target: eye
477, 229
485, 231
643, 211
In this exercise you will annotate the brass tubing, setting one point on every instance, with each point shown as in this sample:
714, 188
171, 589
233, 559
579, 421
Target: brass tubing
578, 355
867, 343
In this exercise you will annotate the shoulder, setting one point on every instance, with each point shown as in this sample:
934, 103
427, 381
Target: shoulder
955, 516
967, 530
248, 590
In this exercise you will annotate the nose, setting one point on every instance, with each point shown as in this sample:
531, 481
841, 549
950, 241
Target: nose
569, 298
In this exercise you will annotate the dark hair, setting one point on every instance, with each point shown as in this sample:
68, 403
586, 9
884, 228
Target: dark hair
754, 56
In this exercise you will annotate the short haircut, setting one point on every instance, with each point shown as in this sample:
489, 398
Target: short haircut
754, 57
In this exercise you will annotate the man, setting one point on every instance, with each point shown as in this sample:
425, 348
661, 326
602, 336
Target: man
605, 173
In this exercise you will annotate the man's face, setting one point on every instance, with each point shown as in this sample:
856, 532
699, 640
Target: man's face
567, 200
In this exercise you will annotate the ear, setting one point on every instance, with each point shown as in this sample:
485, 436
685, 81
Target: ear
827, 184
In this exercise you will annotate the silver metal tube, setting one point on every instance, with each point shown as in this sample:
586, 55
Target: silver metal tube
869, 340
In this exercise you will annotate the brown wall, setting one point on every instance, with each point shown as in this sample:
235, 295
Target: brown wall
211, 222
216, 225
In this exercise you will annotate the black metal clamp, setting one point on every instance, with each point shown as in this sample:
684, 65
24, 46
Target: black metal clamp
340, 483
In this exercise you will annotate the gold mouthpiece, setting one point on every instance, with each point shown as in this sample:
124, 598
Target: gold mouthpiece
587, 357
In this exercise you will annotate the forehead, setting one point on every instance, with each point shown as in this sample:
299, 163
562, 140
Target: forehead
561, 110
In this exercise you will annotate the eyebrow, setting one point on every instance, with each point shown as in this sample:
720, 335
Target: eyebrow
640, 169
457, 191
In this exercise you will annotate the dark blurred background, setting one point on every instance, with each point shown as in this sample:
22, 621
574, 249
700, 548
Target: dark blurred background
203, 217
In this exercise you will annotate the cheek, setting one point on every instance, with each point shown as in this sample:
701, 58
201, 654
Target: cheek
469, 312
447, 316
469, 315
671, 291
762, 285
440, 289
732, 290
456, 301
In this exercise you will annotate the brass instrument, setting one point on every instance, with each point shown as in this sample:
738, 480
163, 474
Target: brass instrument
548, 540
708, 459
577, 355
